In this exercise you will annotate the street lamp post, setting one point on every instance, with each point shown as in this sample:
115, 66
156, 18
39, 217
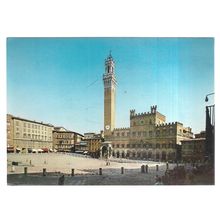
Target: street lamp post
210, 129
206, 98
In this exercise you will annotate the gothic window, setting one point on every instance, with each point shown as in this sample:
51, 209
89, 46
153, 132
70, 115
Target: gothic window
122, 134
118, 134
150, 133
139, 133
128, 145
128, 134
157, 145
122, 145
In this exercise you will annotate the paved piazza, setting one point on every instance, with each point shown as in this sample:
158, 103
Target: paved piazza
86, 170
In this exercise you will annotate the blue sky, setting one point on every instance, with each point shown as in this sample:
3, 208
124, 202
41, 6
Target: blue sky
59, 80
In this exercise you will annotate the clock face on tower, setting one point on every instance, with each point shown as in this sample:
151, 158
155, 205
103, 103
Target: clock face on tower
107, 127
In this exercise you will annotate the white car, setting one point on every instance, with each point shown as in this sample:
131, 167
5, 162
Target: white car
40, 151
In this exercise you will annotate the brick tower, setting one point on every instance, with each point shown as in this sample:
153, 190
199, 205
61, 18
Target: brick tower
109, 95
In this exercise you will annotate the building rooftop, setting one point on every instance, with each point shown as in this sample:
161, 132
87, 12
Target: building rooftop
67, 131
32, 121
194, 139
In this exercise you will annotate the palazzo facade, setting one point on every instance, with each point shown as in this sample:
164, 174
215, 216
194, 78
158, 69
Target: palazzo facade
149, 135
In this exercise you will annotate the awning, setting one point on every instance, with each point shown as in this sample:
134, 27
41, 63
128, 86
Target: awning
10, 148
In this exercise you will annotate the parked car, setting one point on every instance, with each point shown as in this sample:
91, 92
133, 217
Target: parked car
85, 153
34, 151
40, 151
10, 149
45, 150
18, 150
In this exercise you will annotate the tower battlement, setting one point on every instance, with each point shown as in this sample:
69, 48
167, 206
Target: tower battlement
153, 111
169, 124
166, 124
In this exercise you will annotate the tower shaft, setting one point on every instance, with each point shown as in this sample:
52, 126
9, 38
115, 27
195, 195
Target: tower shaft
109, 96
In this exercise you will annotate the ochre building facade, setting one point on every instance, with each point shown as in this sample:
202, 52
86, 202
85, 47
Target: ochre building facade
24, 135
94, 143
65, 140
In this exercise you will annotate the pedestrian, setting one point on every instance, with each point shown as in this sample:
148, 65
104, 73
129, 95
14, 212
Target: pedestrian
12, 169
159, 181
61, 180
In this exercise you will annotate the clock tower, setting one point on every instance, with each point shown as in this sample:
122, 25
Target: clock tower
109, 95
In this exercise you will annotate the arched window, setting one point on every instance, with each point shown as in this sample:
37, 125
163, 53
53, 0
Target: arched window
157, 145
